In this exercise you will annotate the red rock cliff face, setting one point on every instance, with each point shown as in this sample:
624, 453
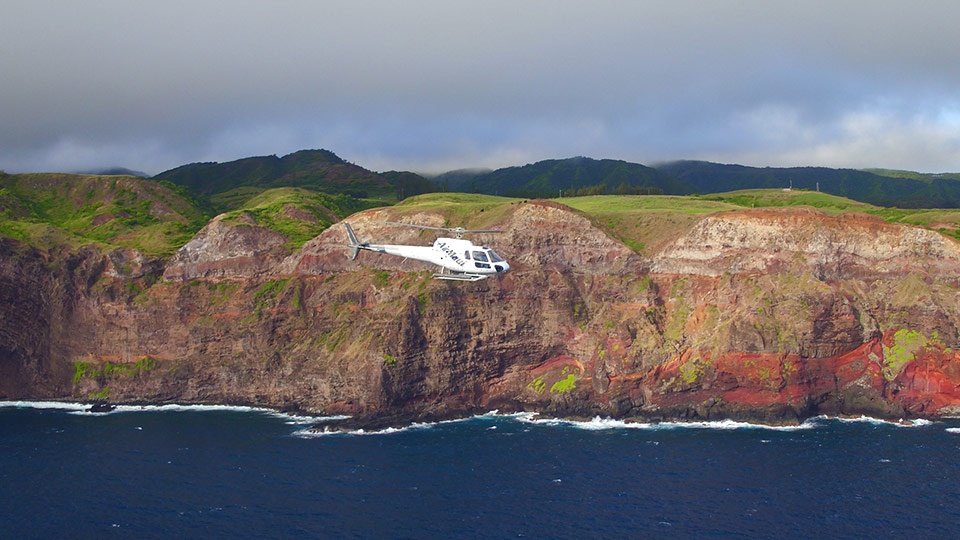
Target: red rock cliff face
771, 315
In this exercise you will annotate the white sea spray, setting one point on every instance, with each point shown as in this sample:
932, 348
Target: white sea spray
599, 423
85, 409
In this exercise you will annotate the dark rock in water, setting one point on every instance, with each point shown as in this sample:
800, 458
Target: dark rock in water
101, 406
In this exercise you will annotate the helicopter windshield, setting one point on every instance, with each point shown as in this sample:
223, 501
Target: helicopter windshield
493, 256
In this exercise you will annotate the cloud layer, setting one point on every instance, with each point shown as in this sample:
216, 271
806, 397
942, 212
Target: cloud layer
435, 85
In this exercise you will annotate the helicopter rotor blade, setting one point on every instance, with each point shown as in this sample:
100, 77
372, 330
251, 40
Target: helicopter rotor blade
415, 226
459, 231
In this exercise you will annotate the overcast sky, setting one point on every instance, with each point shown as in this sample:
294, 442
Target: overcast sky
430, 86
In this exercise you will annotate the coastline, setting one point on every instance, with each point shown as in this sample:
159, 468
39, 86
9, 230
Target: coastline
320, 425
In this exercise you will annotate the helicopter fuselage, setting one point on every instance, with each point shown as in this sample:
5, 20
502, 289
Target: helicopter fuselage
456, 256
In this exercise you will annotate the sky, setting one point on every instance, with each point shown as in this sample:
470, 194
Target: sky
430, 86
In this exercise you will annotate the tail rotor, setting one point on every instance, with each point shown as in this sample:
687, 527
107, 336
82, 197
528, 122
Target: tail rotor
355, 244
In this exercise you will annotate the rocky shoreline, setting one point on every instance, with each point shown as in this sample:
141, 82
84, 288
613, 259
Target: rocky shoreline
389, 422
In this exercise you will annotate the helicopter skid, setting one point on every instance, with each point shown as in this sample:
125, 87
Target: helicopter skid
460, 277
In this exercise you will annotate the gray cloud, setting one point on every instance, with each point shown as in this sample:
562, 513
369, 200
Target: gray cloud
431, 85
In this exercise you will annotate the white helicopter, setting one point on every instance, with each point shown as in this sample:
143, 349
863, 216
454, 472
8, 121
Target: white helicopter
458, 259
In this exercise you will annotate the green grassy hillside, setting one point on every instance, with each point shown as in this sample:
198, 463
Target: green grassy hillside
759, 198
645, 222
298, 214
48, 210
468, 210
929, 177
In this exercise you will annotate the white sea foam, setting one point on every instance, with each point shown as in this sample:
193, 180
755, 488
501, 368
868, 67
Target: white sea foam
858, 419
58, 405
732, 424
919, 422
84, 409
123, 409
595, 424
323, 431
599, 423
953, 430
326, 431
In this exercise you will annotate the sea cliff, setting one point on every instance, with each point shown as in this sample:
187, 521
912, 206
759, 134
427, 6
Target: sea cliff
772, 315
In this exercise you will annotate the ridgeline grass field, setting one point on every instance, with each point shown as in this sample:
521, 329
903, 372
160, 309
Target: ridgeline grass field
156, 218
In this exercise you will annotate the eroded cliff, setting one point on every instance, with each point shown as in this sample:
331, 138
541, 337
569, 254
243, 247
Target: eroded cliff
772, 315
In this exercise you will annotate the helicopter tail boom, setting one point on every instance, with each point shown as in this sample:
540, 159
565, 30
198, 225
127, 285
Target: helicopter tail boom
355, 245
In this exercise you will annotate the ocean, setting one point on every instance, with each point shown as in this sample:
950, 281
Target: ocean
220, 472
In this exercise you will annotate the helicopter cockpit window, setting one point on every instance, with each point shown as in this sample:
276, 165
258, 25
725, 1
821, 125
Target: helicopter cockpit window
480, 256
494, 257
466, 255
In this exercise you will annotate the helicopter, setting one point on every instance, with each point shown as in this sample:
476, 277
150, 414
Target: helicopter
458, 259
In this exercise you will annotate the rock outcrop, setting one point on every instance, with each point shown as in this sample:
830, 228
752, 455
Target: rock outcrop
797, 240
769, 315
222, 249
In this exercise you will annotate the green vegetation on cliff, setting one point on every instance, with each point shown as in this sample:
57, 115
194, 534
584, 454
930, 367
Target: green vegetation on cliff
297, 214
49, 210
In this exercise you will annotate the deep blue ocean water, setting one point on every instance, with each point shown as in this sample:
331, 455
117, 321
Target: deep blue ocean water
181, 472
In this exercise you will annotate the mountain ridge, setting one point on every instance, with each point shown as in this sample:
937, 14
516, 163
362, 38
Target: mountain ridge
913, 190
320, 170
323, 170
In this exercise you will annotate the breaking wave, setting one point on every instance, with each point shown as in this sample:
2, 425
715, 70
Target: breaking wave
595, 424
85, 409
598, 423
919, 422
325, 431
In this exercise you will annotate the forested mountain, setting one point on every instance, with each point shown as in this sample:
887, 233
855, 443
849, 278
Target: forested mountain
882, 188
459, 177
319, 170
571, 177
